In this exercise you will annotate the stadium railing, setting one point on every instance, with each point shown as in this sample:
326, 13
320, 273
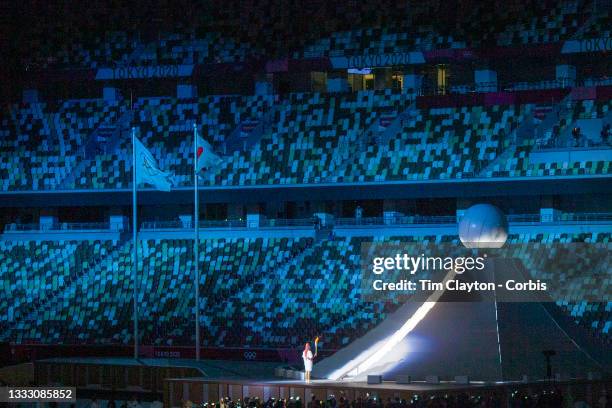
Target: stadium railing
177, 224
565, 218
306, 222
442, 219
586, 217
61, 226
283, 222
225, 223
559, 83
449, 219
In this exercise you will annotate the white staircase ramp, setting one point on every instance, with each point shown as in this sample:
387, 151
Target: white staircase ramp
378, 349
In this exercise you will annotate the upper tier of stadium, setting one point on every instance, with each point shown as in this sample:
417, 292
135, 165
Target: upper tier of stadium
228, 32
362, 93
302, 138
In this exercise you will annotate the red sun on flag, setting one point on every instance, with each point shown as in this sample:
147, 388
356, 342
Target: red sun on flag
199, 152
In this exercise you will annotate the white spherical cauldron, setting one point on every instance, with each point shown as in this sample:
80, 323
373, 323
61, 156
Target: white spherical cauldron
483, 226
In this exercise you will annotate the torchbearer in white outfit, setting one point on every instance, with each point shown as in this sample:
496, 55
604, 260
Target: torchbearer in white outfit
307, 356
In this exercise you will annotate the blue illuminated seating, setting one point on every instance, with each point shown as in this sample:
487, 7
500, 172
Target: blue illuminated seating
255, 292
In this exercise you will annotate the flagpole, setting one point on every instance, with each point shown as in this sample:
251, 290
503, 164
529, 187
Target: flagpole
196, 240
135, 246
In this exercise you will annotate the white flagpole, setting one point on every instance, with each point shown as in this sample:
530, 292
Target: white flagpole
196, 240
135, 246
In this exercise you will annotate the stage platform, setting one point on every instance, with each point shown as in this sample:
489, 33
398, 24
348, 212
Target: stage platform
143, 374
179, 380
197, 390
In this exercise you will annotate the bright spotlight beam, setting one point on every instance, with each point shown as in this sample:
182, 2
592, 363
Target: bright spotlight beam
376, 353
